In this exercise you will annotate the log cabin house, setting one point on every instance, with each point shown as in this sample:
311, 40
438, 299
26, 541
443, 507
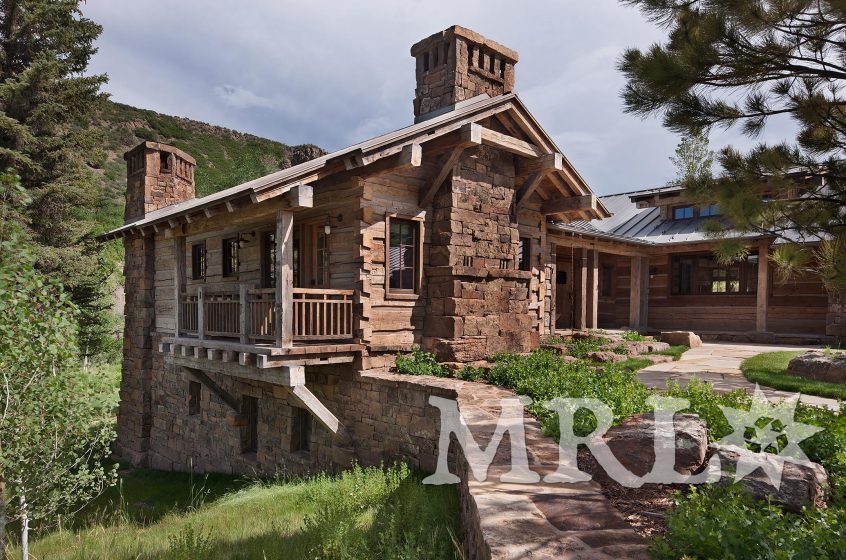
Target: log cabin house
252, 313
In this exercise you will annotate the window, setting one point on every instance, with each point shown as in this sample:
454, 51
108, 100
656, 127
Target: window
194, 394
524, 253
268, 259
164, 162
683, 212
300, 430
701, 275
249, 430
321, 259
606, 281
710, 211
402, 255
198, 261
230, 257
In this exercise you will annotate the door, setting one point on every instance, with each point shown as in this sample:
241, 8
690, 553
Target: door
564, 294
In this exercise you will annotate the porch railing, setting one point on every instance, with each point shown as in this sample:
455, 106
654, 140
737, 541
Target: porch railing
250, 314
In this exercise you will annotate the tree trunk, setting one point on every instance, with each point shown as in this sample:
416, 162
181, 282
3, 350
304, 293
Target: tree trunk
24, 530
2, 518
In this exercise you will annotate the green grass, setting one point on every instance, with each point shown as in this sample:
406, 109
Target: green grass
361, 513
674, 351
770, 369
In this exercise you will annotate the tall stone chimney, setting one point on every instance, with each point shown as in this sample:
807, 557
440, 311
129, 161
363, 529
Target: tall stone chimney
458, 64
157, 175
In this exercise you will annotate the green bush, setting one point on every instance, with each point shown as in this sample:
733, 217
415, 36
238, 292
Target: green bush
419, 362
543, 376
190, 544
145, 134
582, 347
470, 373
634, 336
723, 522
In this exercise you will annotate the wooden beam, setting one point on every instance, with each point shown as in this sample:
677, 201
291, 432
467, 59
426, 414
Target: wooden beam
353, 160
283, 376
284, 304
470, 135
301, 196
635, 287
510, 144
580, 287
411, 156
530, 185
593, 289
209, 383
569, 205
310, 402
763, 294
546, 162
210, 212
230, 206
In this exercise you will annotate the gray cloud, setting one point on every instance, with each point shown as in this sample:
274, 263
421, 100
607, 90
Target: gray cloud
335, 73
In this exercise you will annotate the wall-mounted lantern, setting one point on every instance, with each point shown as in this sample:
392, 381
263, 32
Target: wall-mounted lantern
327, 226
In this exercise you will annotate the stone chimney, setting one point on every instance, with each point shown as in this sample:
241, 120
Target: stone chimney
157, 175
458, 64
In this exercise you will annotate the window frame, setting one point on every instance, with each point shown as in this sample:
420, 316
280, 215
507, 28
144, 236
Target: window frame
228, 255
684, 207
710, 211
301, 430
524, 254
249, 429
698, 275
195, 396
199, 260
404, 293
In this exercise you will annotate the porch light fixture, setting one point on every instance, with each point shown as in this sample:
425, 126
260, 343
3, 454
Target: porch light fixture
242, 238
327, 227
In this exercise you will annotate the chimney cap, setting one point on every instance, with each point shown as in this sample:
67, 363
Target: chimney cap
473, 37
159, 147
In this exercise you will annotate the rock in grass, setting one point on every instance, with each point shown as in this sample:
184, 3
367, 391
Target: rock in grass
801, 484
681, 338
632, 442
606, 357
820, 366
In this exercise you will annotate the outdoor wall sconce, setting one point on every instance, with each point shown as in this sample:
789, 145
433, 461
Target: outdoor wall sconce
652, 272
242, 238
327, 227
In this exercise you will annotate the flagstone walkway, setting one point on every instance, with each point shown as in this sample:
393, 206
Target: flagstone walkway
719, 364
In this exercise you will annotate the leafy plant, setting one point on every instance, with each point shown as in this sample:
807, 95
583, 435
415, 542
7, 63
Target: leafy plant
470, 373
728, 523
582, 347
190, 544
419, 362
634, 336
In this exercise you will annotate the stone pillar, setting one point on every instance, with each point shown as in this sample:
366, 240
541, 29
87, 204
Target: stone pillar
134, 417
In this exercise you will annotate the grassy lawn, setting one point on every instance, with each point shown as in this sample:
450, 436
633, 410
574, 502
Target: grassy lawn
362, 513
770, 369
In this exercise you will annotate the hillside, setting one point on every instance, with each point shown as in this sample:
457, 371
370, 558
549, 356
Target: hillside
224, 157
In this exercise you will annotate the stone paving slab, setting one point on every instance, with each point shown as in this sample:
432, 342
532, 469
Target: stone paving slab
719, 364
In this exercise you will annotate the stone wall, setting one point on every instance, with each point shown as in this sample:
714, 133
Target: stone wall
157, 175
478, 300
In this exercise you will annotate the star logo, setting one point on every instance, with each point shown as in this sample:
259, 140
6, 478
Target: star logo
772, 428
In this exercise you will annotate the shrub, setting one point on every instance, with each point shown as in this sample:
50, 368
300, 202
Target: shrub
584, 346
419, 362
722, 522
633, 336
544, 376
189, 544
470, 373
145, 134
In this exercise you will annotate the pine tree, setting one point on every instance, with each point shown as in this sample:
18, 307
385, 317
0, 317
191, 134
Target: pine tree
45, 97
741, 63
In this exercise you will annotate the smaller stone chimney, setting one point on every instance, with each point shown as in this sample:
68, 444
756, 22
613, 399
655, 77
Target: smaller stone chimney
157, 175
458, 64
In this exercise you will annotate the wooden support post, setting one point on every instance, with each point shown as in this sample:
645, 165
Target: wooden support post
644, 294
178, 281
209, 383
580, 289
245, 314
593, 289
763, 286
635, 287
284, 304
201, 313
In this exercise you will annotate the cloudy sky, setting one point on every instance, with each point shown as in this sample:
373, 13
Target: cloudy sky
334, 73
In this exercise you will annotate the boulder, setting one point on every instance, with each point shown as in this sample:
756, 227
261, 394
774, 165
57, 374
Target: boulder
821, 366
632, 442
607, 357
681, 338
644, 347
801, 484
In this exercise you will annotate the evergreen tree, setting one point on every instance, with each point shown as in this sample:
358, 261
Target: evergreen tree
741, 63
45, 97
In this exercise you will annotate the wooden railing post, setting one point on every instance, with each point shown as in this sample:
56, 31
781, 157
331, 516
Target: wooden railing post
201, 312
245, 314
178, 282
